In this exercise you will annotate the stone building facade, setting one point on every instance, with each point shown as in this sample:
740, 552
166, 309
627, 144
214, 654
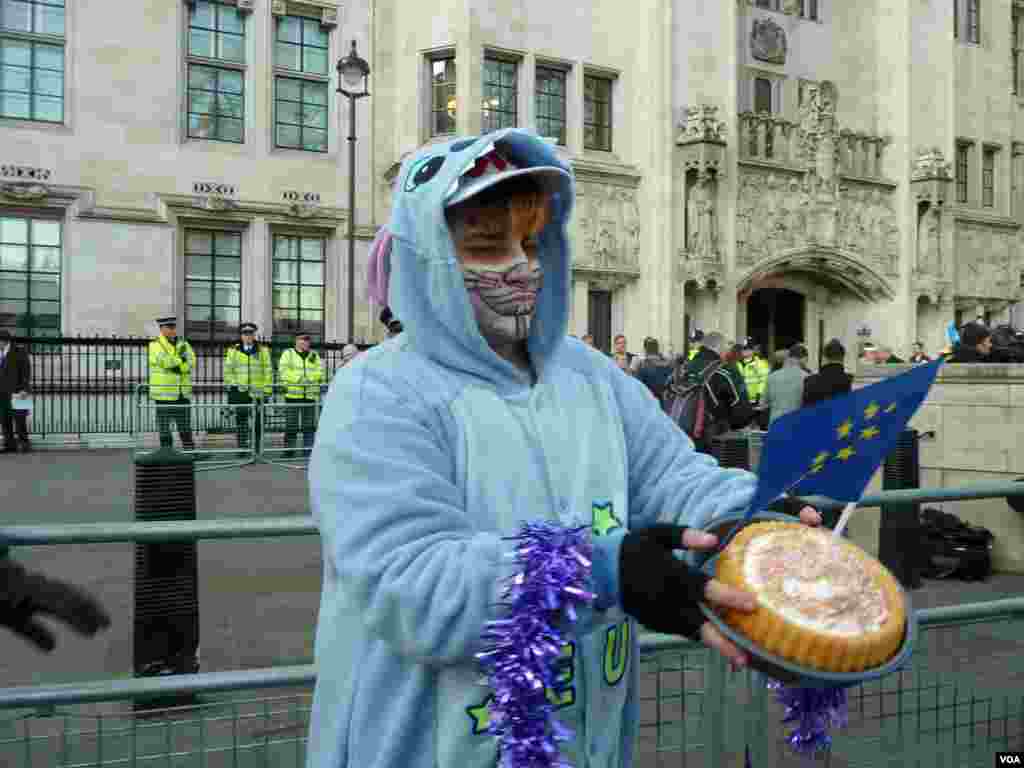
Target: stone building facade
785, 169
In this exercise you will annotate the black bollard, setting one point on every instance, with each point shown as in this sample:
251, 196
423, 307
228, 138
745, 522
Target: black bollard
732, 450
166, 626
900, 538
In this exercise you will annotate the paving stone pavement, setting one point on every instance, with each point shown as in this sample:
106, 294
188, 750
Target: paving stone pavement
259, 598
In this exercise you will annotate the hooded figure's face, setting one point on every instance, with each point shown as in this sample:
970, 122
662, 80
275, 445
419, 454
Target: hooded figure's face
496, 246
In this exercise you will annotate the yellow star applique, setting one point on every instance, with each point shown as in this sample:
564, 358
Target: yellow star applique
481, 715
871, 411
869, 433
845, 453
604, 520
891, 408
844, 429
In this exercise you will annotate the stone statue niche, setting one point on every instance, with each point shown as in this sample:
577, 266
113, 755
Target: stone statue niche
929, 239
701, 225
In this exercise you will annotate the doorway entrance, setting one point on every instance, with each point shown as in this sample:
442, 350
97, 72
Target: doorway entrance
599, 319
775, 318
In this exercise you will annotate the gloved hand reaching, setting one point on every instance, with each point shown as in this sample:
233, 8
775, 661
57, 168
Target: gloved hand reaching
25, 594
661, 591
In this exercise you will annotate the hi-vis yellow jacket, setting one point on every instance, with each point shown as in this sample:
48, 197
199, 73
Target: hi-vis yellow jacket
252, 374
755, 375
302, 377
170, 369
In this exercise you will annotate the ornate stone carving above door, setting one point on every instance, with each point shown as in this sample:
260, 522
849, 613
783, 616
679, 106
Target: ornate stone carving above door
777, 210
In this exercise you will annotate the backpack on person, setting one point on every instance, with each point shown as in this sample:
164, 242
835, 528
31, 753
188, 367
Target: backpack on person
689, 401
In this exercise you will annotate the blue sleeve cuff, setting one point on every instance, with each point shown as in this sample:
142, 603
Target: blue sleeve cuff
606, 569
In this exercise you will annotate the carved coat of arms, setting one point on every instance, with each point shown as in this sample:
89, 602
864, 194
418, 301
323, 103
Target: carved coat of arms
768, 41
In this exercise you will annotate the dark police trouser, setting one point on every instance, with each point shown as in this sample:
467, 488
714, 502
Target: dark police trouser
303, 410
179, 412
11, 421
236, 397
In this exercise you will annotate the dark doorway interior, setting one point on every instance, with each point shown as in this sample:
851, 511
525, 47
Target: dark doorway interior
775, 318
599, 319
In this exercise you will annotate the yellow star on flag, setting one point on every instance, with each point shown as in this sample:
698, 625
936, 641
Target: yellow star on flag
871, 411
891, 408
822, 457
845, 453
844, 429
869, 433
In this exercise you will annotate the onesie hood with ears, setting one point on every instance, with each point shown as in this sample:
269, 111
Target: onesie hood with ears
426, 288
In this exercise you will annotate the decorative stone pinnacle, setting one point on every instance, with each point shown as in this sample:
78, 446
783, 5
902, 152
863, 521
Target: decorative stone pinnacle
931, 164
701, 123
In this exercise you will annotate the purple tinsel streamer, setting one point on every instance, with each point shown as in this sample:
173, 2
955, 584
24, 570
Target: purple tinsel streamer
522, 649
814, 711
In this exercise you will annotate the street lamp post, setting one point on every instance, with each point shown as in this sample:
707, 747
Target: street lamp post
353, 71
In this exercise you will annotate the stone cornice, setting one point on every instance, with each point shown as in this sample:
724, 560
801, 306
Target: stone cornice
972, 216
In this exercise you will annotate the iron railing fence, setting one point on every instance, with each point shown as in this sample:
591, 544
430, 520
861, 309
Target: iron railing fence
88, 385
944, 708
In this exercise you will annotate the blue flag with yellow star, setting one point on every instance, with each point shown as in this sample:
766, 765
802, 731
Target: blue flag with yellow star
834, 447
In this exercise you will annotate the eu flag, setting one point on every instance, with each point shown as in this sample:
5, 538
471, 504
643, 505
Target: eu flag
834, 447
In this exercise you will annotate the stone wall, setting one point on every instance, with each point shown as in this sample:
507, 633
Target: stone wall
977, 412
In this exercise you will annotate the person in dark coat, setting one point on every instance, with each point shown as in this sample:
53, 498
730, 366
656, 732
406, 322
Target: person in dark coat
729, 406
975, 345
832, 379
15, 373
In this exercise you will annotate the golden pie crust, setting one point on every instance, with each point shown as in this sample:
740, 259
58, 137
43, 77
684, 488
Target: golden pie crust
860, 626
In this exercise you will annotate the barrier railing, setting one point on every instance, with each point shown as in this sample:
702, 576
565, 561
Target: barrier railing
951, 706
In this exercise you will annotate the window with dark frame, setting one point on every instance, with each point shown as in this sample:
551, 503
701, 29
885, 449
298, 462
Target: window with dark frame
809, 9
299, 286
597, 113
216, 72
32, 60
988, 173
213, 284
974, 21
763, 88
956, 19
771, 5
301, 97
550, 108
442, 96
30, 276
962, 171
501, 94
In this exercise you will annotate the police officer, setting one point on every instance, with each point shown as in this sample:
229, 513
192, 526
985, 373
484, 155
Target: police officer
696, 344
755, 371
302, 372
171, 361
249, 377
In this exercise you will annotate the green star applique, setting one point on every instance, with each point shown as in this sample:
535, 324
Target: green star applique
604, 519
481, 716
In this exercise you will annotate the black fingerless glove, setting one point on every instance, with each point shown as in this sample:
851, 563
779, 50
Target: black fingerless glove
24, 594
788, 505
659, 590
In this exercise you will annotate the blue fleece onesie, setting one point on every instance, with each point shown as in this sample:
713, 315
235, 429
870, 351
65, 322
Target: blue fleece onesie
431, 449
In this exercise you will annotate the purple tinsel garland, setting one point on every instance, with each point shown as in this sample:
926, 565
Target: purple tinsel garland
815, 711
522, 650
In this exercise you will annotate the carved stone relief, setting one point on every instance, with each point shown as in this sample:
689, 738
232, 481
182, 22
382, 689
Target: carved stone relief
985, 262
778, 211
24, 191
609, 228
768, 41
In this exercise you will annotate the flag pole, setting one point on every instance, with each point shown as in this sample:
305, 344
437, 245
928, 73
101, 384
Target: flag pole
844, 518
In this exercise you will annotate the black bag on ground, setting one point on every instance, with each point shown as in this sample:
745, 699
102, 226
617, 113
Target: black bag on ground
953, 549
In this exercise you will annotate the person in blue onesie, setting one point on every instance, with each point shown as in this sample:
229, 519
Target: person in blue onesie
438, 444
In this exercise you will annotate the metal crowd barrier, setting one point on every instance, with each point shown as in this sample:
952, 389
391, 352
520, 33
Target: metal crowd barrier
951, 706
229, 435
